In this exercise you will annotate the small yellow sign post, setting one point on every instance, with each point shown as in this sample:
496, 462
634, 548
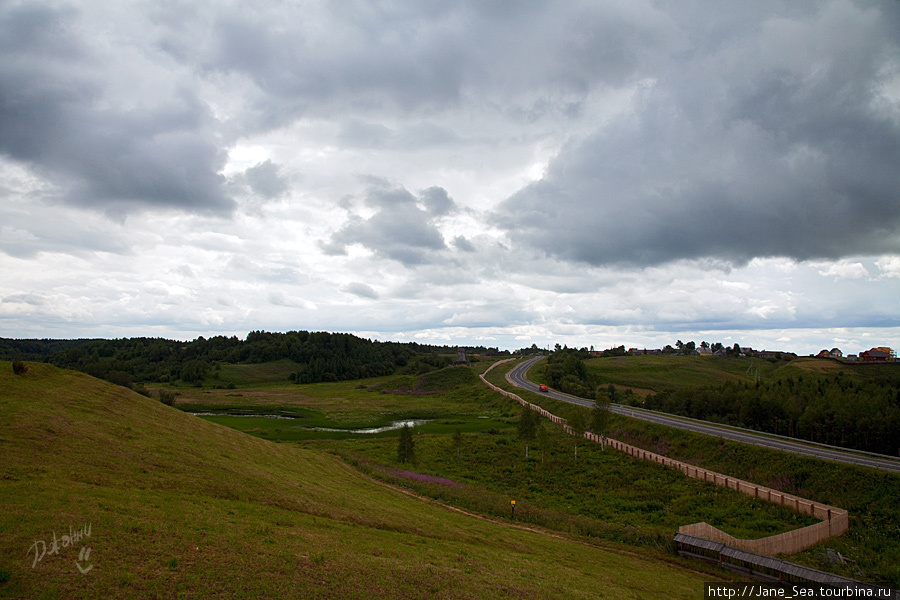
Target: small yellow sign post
512, 504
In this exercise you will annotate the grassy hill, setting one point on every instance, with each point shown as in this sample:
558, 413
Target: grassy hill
657, 373
648, 374
180, 507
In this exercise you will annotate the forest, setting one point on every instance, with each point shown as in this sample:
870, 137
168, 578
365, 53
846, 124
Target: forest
858, 410
320, 356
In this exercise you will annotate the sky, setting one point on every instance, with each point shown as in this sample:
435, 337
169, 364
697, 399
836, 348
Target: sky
501, 173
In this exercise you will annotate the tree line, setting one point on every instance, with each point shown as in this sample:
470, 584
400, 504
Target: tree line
841, 410
320, 356
566, 372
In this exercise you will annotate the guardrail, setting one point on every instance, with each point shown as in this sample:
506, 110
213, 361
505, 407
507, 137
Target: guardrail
835, 521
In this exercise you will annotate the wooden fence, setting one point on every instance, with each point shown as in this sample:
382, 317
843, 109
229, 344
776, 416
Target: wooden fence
834, 521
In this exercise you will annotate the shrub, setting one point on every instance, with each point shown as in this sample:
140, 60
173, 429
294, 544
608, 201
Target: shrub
167, 397
406, 451
19, 367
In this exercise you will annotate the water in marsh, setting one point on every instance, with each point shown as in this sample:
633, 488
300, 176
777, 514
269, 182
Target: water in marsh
389, 427
241, 414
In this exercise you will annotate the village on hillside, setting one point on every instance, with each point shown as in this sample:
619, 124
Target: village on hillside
880, 354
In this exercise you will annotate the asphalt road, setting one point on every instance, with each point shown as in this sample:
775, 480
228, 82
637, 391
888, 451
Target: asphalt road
518, 377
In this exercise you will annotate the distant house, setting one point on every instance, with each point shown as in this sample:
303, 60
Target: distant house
892, 356
704, 351
833, 353
877, 355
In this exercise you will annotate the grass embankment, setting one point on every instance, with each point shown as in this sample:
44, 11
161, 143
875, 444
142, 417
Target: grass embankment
179, 507
873, 541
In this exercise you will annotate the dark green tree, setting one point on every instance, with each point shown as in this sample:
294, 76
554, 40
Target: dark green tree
600, 418
457, 441
543, 437
406, 451
528, 427
578, 425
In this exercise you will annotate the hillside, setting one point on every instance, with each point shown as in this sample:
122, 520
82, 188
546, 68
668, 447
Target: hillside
176, 506
658, 373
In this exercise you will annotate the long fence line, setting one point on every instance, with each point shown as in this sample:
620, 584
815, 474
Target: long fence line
834, 521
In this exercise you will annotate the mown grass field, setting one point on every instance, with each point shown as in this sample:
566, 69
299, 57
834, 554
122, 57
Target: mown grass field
180, 507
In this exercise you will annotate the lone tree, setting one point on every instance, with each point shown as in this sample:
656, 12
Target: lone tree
543, 437
457, 441
528, 424
19, 367
406, 451
578, 425
600, 418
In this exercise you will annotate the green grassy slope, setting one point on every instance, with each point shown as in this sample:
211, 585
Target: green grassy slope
658, 373
179, 507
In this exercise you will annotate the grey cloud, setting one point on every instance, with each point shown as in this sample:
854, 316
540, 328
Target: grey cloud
437, 201
399, 230
266, 180
58, 115
56, 230
461, 243
364, 135
413, 57
407, 137
362, 290
737, 156
32, 299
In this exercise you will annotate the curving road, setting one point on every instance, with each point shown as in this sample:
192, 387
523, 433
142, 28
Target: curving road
518, 377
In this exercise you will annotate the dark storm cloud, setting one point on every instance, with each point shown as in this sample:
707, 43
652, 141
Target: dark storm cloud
59, 117
407, 57
400, 229
781, 142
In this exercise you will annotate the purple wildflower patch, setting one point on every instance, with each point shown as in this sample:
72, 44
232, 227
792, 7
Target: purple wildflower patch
428, 478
